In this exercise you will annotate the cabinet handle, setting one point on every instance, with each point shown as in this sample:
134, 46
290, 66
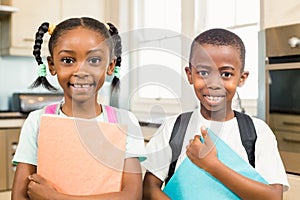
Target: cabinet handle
28, 40
295, 139
291, 123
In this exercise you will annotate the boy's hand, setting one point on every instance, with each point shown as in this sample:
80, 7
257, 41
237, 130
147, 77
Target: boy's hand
39, 188
202, 154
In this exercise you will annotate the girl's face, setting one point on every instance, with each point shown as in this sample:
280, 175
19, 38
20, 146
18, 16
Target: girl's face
215, 75
81, 59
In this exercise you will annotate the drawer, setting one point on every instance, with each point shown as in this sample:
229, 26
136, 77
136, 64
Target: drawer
288, 141
285, 122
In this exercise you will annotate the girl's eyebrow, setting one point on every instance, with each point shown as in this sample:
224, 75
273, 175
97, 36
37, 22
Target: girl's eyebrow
72, 51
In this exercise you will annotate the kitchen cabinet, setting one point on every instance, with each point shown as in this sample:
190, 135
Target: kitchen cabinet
8, 143
18, 30
278, 13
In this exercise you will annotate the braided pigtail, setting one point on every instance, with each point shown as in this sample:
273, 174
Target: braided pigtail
117, 49
41, 80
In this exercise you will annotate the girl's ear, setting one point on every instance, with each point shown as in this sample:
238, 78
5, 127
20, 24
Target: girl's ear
111, 67
51, 65
243, 78
188, 71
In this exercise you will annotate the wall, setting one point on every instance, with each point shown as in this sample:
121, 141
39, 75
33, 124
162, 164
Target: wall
16, 75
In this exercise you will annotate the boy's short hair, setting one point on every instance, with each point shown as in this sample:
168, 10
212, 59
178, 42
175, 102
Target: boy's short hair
220, 37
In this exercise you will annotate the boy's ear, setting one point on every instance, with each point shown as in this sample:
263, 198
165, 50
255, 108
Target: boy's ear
111, 67
51, 65
188, 71
243, 78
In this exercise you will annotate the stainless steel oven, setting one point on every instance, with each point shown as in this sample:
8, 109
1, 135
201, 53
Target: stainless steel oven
283, 91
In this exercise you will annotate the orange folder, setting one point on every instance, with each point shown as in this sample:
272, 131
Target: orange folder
81, 156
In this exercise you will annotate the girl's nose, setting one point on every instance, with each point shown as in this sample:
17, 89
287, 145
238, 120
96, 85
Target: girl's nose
81, 70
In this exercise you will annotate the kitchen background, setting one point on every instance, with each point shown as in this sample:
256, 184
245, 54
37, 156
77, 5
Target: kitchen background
165, 22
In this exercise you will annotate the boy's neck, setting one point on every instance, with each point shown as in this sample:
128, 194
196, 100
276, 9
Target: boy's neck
220, 115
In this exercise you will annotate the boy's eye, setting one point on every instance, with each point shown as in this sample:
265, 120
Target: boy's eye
203, 73
226, 74
67, 60
94, 60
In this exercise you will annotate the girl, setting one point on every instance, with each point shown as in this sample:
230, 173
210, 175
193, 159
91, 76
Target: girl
82, 52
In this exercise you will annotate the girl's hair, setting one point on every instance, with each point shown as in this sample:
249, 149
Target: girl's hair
108, 31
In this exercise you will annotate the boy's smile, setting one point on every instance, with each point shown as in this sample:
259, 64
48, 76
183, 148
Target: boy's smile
215, 73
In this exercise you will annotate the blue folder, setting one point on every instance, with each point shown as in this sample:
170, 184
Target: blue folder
190, 182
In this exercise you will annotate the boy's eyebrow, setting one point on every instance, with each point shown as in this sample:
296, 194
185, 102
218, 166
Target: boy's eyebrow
226, 67
202, 66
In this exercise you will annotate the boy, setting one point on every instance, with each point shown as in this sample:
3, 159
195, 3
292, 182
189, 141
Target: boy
216, 69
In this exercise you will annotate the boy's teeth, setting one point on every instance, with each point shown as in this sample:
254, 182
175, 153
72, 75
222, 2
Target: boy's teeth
213, 98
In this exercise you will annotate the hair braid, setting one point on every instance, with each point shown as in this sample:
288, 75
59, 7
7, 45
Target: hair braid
41, 80
117, 51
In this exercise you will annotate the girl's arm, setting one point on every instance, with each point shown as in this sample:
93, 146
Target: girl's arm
204, 156
19, 189
39, 188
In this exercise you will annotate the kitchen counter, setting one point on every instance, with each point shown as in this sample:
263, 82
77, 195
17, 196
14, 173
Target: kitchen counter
11, 119
5, 195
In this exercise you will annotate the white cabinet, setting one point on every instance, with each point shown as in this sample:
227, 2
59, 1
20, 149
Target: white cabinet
18, 31
278, 13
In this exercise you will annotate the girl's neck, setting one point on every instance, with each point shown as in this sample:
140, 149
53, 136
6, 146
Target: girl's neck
81, 110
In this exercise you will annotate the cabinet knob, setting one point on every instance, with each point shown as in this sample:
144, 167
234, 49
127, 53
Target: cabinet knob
294, 42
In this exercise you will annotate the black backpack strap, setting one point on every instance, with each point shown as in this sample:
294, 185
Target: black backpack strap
248, 135
176, 140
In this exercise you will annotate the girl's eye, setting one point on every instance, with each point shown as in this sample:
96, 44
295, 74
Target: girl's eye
226, 74
94, 60
67, 60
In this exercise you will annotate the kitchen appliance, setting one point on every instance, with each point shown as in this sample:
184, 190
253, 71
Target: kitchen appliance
27, 102
282, 91
10, 127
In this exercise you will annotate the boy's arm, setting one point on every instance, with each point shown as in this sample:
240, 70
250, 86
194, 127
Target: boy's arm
40, 188
204, 156
152, 188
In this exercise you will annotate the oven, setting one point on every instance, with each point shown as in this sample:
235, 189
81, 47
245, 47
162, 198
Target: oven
283, 91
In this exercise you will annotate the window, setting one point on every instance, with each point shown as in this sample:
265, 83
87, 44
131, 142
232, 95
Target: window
157, 58
162, 50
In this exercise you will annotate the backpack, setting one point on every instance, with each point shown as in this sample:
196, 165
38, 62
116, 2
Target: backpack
246, 129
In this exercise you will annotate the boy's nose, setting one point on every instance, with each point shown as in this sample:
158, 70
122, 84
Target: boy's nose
215, 82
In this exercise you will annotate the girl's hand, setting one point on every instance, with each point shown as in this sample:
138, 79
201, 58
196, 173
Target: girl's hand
39, 188
202, 154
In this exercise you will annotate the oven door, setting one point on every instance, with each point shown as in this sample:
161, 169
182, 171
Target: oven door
283, 106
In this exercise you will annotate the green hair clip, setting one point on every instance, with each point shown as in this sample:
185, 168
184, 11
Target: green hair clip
42, 70
117, 71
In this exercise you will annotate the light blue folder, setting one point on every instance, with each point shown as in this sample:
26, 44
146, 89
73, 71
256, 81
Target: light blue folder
190, 182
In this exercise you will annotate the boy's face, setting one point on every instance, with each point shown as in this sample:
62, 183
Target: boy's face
215, 73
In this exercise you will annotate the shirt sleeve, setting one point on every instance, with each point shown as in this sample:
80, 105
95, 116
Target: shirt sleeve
135, 146
268, 161
159, 153
26, 151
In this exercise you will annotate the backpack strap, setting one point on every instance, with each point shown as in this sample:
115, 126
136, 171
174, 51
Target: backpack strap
111, 114
248, 135
176, 140
51, 109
